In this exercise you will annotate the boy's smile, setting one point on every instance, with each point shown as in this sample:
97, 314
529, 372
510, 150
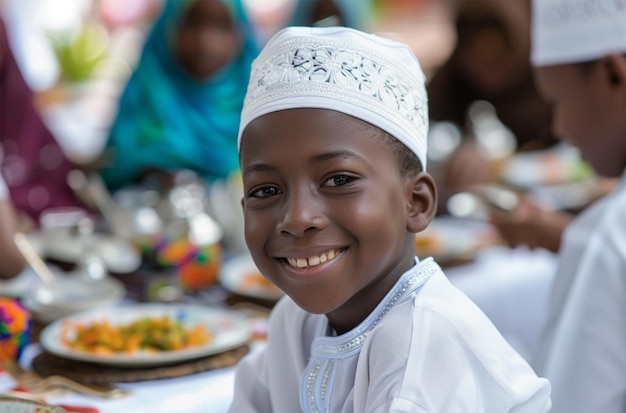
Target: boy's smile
327, 211
313, 260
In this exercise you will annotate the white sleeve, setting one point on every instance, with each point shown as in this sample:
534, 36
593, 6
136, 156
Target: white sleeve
251, 392
268, 380
585, 357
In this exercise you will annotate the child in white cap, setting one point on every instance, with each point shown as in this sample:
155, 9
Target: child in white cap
579, 54
333, 156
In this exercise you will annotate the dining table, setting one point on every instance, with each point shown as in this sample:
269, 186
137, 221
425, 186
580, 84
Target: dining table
204, 385
208, 392
511, 285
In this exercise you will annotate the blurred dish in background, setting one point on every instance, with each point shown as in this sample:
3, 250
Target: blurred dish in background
241, 276
118, 256
452, 241
561, 164
74, 293
556, 179
573, 196
477, 201
18, 286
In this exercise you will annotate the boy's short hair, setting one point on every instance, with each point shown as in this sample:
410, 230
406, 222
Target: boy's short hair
573, 31
408, 163
369, 77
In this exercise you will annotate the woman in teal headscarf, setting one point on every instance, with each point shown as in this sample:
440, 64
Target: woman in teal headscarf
180, 109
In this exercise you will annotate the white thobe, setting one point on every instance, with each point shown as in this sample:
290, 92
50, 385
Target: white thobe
583, 350
425, 348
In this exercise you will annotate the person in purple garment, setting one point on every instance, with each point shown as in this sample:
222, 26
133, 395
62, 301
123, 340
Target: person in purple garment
33, 164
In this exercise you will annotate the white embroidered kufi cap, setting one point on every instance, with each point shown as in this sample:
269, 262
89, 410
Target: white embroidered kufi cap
366, 76
572, 31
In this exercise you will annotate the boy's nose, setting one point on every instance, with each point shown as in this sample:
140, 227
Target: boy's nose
302, 212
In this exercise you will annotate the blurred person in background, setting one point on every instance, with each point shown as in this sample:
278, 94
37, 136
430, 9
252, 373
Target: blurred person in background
579, 55
32, 163
530, 225
490, 62
348, 13
180, 108
11, 260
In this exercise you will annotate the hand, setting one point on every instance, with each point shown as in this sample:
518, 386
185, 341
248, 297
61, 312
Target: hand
530, 225
466, 167
12, 262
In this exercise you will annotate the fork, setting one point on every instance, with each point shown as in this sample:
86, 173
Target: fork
36, 384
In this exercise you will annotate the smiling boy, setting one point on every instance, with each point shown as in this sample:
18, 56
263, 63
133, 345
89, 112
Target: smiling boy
333, 156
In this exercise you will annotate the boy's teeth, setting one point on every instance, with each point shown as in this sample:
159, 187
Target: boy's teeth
312, 261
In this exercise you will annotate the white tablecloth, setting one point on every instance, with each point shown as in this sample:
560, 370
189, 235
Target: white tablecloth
207, 392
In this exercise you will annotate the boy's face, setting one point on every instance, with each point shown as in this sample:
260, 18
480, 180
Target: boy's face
327, 213
589, 113
207, 38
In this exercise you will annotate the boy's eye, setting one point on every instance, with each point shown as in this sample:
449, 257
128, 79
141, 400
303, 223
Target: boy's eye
338, 180
265, 192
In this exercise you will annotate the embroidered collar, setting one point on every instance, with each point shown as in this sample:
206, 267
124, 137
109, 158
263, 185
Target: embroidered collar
340, 346
319, 375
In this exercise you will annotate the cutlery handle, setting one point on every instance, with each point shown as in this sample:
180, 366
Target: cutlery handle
88, 389
34, 259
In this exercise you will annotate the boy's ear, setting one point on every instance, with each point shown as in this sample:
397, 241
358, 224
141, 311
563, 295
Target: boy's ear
615, 67
422, 202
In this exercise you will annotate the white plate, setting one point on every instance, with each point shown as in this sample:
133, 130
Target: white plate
228, 329
73, 294
233, 277
558, 165
10, 404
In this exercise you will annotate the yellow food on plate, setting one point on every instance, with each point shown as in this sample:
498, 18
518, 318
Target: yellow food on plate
148, 334
256, 280
428, 244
